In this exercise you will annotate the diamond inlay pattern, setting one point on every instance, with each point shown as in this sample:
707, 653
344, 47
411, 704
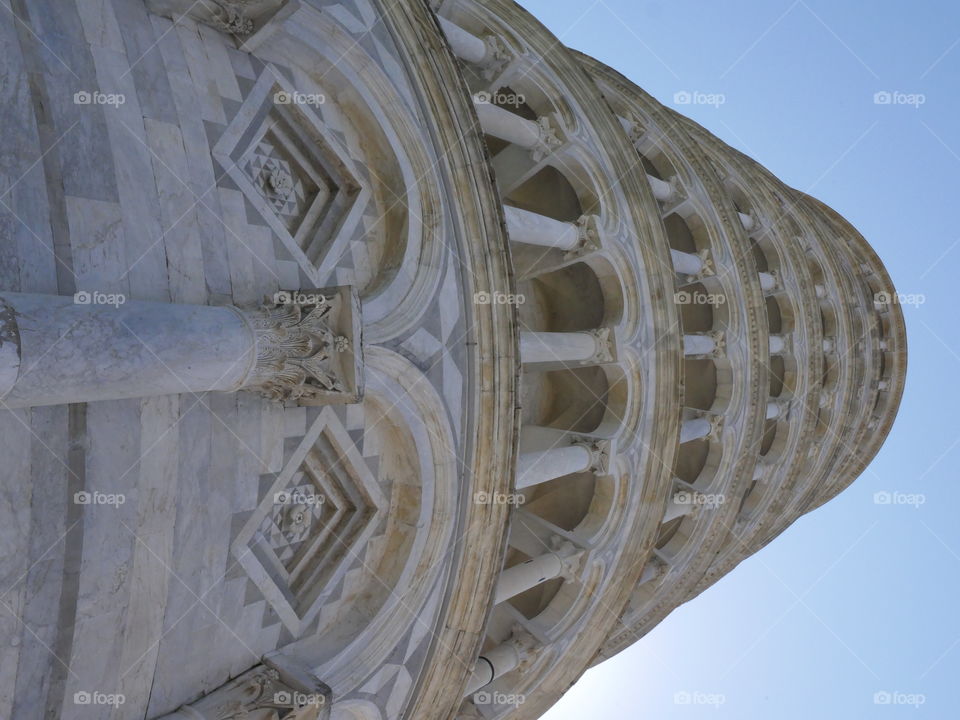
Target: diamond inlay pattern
319, 511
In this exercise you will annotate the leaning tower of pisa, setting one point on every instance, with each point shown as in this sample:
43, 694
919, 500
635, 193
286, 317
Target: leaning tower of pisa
374, 360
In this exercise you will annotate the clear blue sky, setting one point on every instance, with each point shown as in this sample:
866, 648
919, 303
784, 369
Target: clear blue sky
857, 598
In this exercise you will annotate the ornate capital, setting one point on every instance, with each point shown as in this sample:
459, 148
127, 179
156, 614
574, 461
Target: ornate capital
262, 693
570, 558
599, 453
234, 17
307, 345
603, 337
498, 56
588, 237
550, 138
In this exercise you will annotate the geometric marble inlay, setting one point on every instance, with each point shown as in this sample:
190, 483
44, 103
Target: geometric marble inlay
294, 171
313, 521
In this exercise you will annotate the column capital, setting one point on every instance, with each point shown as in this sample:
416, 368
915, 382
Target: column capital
599, 453
588, 237
307, 347
551, 137
261, 692
497, 58
604, 340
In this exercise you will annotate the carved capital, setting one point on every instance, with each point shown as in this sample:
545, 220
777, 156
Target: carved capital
498, 56
571, 558
636, 131
262, 693
599, 454
550, 138
588, 237
234, 17
307, 346
603, 337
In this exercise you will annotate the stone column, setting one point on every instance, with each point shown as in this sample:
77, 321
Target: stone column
663, 190
571, 347
777, 344
686, 263
488, 53
56, 350
520, 578
701, 343
535, 229
539, 137
500, 660
768, 281
696, 428
582, 455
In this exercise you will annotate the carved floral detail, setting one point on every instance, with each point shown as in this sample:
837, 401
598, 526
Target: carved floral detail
296, 349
